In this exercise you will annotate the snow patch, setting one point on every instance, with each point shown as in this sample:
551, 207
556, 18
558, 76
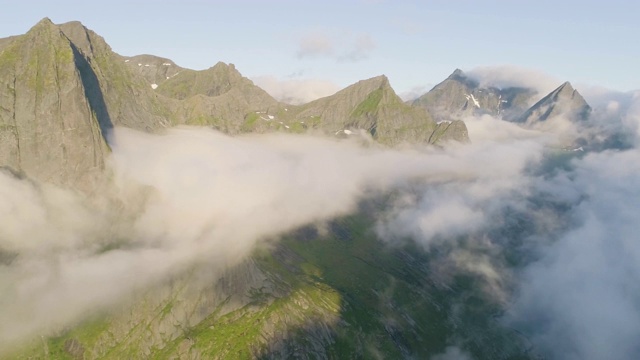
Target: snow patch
146, 65
166, 64
345, 131
154, 86
287, 126
126, 60
475, 102
472, 98
444, 121
139, 64
271, 117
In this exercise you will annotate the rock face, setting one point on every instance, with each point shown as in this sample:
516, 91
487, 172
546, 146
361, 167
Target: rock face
458, 96
563, 101
49, 128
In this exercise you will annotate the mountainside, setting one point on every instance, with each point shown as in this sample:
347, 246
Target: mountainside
459, 96
563, 101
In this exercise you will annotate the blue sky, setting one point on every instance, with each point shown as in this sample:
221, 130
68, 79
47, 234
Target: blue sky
415, 43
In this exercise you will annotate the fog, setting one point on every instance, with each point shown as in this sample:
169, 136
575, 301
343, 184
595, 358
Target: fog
193, 195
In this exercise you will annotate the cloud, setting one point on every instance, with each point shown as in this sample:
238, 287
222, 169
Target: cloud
580, 301
360, 49
342, 47
178, 199
415, 92
315, 45
513, 76
296, 91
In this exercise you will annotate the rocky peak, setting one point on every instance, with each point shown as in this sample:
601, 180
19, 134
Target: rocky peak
79, 35
563, 101
49, 129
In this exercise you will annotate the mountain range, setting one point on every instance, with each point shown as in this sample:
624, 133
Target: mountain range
335, 294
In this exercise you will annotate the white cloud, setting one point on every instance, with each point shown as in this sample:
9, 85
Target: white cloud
315, 45
359, 49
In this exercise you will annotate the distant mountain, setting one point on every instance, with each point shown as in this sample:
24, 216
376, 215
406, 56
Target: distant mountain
372, 106
563, 101
459, 96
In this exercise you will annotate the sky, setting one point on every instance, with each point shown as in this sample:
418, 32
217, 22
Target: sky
327, 45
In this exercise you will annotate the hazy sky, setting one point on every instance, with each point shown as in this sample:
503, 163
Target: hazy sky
415, 43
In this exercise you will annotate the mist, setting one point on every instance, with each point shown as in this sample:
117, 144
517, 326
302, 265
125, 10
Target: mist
192, 195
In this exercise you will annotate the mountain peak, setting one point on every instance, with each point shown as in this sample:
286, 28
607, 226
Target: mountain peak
565, 87
457, 73
45, 23
564, 100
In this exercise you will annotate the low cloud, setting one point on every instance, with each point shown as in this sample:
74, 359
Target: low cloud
296, 91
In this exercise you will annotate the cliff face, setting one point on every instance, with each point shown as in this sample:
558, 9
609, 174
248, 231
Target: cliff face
49, 128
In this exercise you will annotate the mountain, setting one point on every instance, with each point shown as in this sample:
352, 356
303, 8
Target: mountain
63, 89
563, 101
459, 96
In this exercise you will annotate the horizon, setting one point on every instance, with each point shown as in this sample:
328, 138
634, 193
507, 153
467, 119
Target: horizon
360, 39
